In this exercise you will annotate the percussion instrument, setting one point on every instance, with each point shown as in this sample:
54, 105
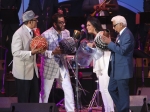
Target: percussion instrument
68, 45
98, 41
38, 41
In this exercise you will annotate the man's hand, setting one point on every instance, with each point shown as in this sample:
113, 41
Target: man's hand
57, 51
100, 7
36, 51
105, 39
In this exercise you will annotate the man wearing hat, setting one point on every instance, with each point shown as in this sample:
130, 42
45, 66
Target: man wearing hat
24, 60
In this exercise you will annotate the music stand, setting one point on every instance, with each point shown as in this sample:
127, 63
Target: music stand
140, 54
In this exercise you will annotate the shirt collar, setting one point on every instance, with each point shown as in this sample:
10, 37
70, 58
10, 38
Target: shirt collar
29, 29
57, 32
122, 30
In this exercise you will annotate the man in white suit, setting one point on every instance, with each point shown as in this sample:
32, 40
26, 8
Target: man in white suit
24, 60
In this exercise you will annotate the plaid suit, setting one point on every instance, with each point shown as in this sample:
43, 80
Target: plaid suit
49, 63
51, 68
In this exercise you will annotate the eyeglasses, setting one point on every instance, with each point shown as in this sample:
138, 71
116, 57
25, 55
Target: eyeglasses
115, 25
61, 22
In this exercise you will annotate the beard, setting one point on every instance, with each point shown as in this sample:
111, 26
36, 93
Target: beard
60, 28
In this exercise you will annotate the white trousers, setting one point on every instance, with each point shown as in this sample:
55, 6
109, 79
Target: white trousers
103, 87
65, 83
103, 79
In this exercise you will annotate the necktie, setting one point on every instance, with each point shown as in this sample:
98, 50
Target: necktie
118, 36
101, 13
31, 33
59, 38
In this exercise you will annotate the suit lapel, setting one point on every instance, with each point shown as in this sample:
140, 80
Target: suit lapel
26, 32
118, 40
123, 31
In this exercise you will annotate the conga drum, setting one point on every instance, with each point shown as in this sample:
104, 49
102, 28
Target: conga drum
68, 45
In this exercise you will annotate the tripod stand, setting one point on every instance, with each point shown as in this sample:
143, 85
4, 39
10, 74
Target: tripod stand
93, 101
78, 102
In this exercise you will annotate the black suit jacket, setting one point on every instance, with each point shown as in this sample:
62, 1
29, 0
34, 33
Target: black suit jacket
44, 12
88, 6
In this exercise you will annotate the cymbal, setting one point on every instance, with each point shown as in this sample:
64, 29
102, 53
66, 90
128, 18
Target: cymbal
140, 54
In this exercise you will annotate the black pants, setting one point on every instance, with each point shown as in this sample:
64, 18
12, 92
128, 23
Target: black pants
28, 90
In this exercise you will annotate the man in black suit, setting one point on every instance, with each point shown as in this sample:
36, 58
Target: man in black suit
100, 7
10, 23
45, 9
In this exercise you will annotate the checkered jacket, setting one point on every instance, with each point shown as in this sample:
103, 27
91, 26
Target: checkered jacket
50, 64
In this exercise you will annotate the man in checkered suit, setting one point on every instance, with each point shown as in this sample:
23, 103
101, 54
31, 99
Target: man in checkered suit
53, 64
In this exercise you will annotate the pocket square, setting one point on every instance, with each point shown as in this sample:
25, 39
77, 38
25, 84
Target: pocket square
118, 41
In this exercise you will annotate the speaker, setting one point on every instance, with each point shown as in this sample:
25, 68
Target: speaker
5, 109
34, 107
5, 102
137, 103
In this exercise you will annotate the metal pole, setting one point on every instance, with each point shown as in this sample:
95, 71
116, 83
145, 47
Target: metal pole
76, 79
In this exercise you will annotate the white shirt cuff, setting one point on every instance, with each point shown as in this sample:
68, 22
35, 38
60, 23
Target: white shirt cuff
49, 54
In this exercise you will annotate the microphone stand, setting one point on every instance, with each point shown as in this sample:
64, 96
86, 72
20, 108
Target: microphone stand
76, 78
76, 72
81, 88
